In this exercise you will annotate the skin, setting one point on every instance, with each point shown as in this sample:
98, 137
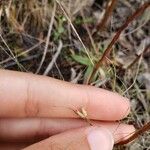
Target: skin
37, 112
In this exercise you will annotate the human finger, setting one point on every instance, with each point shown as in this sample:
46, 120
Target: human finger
91, 138
35, 129
13, 146
28, 95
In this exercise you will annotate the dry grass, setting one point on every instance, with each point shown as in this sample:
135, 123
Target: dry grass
31, 37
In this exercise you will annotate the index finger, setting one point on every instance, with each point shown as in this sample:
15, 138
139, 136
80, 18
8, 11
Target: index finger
28, 95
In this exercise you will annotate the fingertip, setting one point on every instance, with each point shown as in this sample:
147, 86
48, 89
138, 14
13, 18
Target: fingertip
124, 132
100, 138
120, 106
109, 105
125, 107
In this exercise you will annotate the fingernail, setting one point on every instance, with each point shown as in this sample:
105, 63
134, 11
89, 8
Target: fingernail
100, 139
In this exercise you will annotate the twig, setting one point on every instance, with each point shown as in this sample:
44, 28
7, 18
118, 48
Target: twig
22, 53
31, 57
48, 38
12, 54
138, 57
116, 37
59, 71
73, 28
54, 59
89, 34
109, 9
135, 78
140, 131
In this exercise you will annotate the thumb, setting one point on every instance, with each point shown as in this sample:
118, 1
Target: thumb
92, 138
100, 139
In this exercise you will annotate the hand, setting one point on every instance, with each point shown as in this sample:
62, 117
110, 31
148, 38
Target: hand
35, 108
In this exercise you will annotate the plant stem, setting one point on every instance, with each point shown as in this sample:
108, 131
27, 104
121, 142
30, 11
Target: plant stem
116, 37
142, 130
109, 9
138, 57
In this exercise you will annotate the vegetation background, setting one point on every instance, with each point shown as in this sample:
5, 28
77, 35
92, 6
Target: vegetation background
65, 39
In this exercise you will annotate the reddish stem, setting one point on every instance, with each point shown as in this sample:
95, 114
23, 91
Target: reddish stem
116, 37
109, 9
135, 135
